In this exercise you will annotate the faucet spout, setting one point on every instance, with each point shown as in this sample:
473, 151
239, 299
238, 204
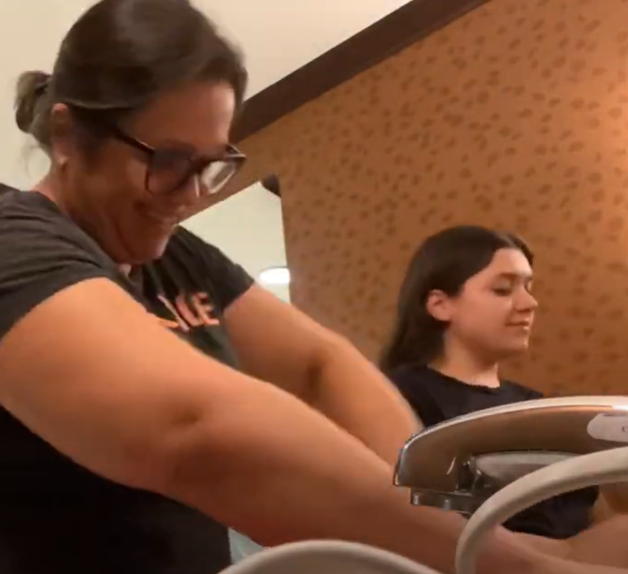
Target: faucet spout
457, 465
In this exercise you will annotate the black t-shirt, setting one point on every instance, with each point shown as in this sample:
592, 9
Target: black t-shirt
436, 398
55, 516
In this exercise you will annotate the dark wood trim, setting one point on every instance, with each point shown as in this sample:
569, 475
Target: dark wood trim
271, 183
398, 30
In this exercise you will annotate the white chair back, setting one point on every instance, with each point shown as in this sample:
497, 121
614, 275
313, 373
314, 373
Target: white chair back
326, 557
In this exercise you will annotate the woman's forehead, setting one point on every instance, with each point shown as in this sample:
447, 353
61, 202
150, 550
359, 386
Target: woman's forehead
198, 115
508, 263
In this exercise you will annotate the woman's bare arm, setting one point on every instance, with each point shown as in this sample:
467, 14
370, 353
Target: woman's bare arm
94, 375
278, 343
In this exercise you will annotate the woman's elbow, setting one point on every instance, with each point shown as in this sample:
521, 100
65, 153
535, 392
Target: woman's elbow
151, 460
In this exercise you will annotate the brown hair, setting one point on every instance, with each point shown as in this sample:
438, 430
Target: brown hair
444, 261
120, 55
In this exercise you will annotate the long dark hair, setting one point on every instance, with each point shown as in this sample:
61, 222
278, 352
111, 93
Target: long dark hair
444, 262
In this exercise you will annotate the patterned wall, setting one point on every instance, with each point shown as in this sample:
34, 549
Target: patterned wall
514, 116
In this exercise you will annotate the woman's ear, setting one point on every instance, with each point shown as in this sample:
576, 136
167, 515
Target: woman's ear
60, 133
440, 306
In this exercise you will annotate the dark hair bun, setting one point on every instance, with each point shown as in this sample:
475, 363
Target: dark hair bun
30, 87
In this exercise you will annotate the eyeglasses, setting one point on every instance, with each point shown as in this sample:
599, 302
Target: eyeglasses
169, 169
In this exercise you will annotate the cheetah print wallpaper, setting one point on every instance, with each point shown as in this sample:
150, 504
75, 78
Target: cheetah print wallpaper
515, 116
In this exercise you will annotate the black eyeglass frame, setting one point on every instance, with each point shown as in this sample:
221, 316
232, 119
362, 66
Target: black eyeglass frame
196, 164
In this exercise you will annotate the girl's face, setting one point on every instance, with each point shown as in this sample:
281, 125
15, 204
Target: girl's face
494, 312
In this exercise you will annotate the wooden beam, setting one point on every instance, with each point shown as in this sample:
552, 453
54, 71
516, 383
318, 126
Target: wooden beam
405, 26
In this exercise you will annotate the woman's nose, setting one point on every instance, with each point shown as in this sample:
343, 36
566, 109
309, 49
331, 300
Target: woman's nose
191, 191
531, 302
525, 301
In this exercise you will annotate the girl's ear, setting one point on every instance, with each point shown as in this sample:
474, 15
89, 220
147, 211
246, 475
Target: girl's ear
440, 306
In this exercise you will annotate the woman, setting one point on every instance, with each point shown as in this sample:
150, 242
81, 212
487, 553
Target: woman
134, 421
465, 306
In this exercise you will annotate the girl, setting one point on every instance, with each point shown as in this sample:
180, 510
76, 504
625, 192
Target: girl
465, 306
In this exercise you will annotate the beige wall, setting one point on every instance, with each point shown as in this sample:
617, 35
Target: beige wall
514, 116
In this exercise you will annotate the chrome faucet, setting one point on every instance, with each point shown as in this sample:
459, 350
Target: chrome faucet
457, 465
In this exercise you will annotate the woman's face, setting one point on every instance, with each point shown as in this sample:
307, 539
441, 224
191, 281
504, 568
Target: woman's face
106, 192
494, 312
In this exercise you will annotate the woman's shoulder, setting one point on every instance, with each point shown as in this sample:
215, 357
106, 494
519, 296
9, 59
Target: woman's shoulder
14, 198
35, 223
520, 391
30, 210
14, 201
425, 376
43, 252
417, 380
411, 373
423, 388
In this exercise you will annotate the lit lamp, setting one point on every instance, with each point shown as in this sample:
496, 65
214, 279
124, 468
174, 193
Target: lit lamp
275, 276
